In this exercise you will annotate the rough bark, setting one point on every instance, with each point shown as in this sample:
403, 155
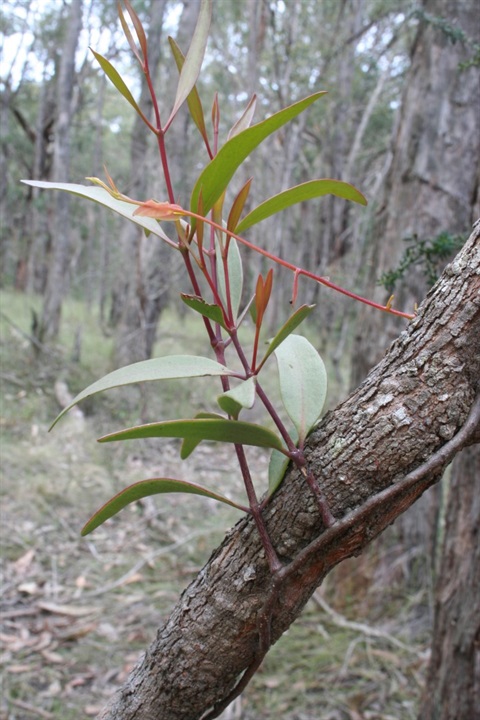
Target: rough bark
371, 458
453, 681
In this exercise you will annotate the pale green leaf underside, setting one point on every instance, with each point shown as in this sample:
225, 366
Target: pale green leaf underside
194, 57
235, 275
287, 328
221, 430
303, 382
241, 396
276, 470
101, 196
217, 174
144, 488
297, 194
171, 367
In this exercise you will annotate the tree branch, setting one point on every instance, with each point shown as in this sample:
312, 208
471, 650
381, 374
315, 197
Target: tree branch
373, 457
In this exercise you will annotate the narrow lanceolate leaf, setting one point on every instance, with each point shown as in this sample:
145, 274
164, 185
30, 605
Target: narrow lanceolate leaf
212, 312
245, 120
240, 397
222, 430
165, 368
103, 197
235, 275
238, 205
297, 194
303, 382
194, 58
287, 329
144, 488
137, 23
218, 173
114, 77
193, 99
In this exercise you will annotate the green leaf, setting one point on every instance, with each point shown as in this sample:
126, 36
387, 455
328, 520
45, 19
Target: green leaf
189, 444
194, 57
114, 76
212, 312
235, 274
297, 194
276, 470
193, 99
287, 329
238, 205
217, 174
241, 396
222, 430
170, 367
144, 488
245, 120
103, 197
303, 382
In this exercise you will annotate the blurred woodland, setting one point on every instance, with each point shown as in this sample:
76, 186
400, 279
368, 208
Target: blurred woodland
400, 122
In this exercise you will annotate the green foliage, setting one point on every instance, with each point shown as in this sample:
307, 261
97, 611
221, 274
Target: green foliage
144, 488
454, 35
213, 262
428, 254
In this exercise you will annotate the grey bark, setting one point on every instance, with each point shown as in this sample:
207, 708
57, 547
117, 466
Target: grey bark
452, 689
364, 455
57, 281
433, 180
431, 187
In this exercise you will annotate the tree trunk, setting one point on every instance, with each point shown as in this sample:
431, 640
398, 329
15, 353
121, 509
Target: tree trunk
453, 681
57, 281
431, 187
433, 181
373, 456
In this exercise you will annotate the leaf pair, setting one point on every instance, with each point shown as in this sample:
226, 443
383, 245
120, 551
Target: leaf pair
190, 66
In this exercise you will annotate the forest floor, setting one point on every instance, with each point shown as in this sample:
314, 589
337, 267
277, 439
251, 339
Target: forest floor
76, 612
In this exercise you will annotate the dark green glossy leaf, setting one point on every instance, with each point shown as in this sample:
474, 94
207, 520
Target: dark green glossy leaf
144, 488
165, 368
232, 431
216, 176
297, 194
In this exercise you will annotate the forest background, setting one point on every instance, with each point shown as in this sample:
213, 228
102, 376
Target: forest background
83, 293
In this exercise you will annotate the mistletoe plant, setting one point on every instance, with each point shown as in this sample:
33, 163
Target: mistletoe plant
209, 240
